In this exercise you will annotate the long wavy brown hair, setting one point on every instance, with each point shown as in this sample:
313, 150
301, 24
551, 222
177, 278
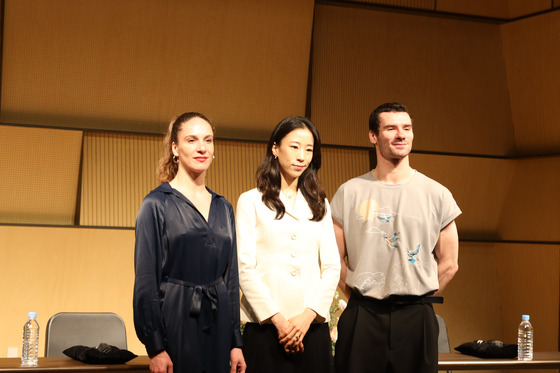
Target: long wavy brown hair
269, 179
167, 168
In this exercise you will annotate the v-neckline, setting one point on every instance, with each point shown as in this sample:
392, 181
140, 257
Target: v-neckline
212, 195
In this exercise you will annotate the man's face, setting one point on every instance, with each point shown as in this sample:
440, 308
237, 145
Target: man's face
394, 141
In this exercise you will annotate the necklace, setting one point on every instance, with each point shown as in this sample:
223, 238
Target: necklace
290, 196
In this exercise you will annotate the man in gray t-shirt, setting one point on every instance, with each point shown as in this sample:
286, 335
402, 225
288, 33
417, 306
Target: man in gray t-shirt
399, 248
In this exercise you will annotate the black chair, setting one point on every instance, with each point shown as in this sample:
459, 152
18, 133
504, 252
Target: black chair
67, 329
443, 337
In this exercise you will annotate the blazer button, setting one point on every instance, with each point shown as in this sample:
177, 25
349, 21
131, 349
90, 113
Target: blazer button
293, 237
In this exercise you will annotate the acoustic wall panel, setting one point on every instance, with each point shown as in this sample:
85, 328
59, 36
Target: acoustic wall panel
39, 173
73, 269
504, 9
415, 4
234, 168
532, 211
471, 307
479, 185
125, 65
118, 172
483, 8
520, 8
532, 52
341, 165
529, 278
448, 72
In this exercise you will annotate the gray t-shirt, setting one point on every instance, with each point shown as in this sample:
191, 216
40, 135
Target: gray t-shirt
391, 231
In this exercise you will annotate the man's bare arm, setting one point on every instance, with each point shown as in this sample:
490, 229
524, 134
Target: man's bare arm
447, 255
341, 242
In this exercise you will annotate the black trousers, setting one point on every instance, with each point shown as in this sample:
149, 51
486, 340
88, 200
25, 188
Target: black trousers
385, 337
264, 354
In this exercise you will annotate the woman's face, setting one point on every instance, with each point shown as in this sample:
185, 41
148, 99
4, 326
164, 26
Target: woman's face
294, 153
195, 145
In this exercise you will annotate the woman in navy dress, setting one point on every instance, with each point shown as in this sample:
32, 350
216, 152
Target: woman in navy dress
186, 291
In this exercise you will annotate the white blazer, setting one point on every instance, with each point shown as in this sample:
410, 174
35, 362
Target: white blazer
285, 265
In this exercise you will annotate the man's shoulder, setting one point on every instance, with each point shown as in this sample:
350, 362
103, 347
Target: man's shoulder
358, 181
421, 179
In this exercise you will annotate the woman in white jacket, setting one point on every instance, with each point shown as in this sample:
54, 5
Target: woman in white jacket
288, 258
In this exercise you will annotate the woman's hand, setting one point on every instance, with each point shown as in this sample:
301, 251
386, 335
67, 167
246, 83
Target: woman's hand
161, 363
237, 361
293, 341
282, 325
285, 329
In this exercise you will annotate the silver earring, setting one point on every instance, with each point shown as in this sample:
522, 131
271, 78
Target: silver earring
275, 158
175, 159
213, 156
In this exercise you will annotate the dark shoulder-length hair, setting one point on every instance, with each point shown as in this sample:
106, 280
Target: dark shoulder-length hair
269, 178
167, 167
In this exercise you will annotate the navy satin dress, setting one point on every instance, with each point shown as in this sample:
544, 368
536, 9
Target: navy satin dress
186, 290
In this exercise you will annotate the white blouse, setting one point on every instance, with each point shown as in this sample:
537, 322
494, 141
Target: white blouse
285, 265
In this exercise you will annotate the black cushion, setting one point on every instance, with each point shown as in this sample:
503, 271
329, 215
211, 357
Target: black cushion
488, 349
102, 354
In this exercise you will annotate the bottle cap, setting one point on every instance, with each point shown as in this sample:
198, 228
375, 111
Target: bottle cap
32, 315
525, 317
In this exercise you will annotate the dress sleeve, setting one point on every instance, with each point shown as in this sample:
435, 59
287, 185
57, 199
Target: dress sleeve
232, 283
329, 260
256, 293
147, 267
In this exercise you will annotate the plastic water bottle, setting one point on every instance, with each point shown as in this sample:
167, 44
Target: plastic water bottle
30, 347
525, 339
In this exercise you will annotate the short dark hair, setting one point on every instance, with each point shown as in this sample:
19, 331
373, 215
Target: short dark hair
269, 178
388, 107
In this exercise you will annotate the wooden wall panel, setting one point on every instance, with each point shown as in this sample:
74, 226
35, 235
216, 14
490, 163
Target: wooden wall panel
531, 52
532, 212
472, 308
39, 170
126, 64
529, 279
233, 171
448, 72
504, 9
495, 285
519, 8
67, 269
479, 185
483, 8
415, 4
340, 165
118, 172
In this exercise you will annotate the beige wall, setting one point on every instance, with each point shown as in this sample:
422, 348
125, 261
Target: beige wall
482, 94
